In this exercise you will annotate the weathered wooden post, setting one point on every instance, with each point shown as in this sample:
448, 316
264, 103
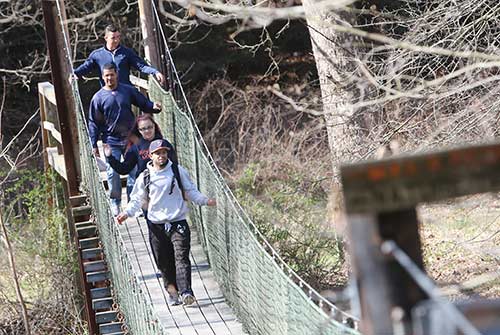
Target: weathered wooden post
150, 37
56, 33
61, 69
380, 200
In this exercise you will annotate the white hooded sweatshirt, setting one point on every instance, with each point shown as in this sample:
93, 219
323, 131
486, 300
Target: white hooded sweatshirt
164, 207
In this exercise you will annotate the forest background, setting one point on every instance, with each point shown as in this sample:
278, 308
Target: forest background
374, 78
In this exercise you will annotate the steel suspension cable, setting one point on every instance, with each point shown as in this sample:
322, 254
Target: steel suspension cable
426, 284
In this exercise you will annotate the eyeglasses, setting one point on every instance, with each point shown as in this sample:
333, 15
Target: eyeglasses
146, 128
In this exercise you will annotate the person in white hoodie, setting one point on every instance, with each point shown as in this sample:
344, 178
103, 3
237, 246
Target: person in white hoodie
166, 215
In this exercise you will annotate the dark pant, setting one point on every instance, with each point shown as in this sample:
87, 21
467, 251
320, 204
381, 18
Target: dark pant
171, 253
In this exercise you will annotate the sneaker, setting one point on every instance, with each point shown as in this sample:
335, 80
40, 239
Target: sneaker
173, 299
172, 295
188, 299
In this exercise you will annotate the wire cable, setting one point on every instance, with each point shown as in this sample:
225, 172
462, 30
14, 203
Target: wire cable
427, 285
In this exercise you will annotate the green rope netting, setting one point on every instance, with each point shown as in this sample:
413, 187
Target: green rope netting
261, 292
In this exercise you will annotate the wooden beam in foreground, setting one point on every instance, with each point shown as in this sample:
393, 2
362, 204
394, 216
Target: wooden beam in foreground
402, 182
380, 199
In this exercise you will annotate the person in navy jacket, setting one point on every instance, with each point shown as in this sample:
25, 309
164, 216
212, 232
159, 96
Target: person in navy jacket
112, 52
111, 119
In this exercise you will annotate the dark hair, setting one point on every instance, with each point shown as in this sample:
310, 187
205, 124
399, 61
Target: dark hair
135, 129
109, 66
111, 28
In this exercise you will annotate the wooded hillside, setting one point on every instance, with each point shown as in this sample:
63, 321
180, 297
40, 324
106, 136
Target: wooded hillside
282, 96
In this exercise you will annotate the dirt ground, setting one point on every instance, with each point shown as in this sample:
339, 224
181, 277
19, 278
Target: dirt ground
461, 245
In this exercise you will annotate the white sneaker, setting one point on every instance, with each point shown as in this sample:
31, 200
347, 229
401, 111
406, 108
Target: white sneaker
173, 299
172, 295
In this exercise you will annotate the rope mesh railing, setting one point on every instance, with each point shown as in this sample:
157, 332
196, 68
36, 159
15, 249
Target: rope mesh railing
257, 283
259, 286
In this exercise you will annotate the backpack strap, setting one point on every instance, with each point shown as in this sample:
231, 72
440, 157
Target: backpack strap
177, 175
172, 156
147, 182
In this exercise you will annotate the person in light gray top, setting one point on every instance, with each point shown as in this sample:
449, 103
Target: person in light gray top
166, 217
166, 203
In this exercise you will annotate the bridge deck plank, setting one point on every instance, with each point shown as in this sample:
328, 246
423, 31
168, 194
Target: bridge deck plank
210, 296
210, 315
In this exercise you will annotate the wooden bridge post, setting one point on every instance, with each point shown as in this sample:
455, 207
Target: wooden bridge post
386, 290
56, 33
150, 34
66, 107
380, 199
45, 135
45, 143
372, 280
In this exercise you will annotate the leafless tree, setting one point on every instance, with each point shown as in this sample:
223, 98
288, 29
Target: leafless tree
415, 74
22, 41
13, 162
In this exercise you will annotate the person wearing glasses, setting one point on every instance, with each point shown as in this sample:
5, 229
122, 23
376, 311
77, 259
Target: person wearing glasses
113, 52
144, 131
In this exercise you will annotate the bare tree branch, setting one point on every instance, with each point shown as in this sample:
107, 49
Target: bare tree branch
92, 16
294, 104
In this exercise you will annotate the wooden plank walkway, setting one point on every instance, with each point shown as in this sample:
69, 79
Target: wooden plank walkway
209, 315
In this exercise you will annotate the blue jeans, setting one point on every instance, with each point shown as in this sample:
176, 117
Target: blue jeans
114, 182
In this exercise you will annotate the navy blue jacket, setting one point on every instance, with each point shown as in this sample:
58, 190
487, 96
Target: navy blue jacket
138, 154
123, 57
110, 114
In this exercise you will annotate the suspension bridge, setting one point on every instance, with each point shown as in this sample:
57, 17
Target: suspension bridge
241, 283
243, 271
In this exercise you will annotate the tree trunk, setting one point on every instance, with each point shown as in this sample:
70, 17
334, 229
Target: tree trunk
333, 62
